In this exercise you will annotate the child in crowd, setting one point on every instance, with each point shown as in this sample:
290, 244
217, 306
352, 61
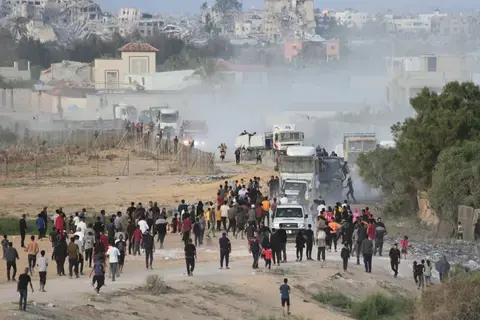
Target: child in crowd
345, 254
267, 254
404, 247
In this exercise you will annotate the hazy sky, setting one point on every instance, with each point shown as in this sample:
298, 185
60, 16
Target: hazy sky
368, 5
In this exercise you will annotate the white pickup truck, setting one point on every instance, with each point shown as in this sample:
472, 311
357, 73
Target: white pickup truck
291, 217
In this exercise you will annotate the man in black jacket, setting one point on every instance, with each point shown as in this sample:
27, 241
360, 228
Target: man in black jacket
149, 246
59, 255
225, 249
275, 246
395, 256
282, 237
309, 234
23, 229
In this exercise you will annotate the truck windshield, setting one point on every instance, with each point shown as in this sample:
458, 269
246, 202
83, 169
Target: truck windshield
357, 146
329, 169
291, 136
294, 164
289, 213
169, 118
297, 186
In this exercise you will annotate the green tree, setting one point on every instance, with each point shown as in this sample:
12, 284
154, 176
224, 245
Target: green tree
455, 179
441, 121
19, 27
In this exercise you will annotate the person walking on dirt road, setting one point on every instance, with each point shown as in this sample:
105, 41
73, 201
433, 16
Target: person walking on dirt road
22, 288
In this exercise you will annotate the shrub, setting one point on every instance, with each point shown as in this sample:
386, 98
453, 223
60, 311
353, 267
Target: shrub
381, 307
335, 299
457, 298
156, 285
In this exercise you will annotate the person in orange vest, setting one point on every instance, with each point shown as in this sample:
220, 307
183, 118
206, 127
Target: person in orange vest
334, 227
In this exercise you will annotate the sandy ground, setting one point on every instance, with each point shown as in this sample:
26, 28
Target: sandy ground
238, 293
113, 193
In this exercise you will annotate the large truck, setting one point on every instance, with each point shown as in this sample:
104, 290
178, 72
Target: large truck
254, 142
102, 118
194, 130
356, 143
331, 177
169, 121
284, 136
298, 174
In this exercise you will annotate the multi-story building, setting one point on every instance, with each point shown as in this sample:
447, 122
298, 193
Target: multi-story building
352, 18
451, 24
249, 23
409, 75
288, 18
129, 15
408, 25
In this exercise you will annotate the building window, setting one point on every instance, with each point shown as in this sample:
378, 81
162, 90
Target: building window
111, 79
432, 64
138, 65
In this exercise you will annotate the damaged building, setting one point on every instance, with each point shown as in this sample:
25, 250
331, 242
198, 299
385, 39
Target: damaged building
288, 19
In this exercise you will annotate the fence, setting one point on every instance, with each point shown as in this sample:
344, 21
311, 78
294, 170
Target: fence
101, 153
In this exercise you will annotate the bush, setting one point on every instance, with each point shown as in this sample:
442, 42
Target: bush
156, 285
334, 299
381, 307
456, 299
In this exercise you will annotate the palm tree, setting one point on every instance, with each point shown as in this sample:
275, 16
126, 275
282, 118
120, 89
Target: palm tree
19, 27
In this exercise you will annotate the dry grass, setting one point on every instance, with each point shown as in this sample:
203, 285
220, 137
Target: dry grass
458, 298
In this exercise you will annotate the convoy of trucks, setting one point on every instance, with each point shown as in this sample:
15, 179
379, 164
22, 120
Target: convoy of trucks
103, 118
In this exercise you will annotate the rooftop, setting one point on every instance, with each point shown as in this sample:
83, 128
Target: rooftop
138, 47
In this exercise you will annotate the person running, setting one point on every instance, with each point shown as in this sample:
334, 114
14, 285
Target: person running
190, 256
11, 256
32, 251
161, 227
225, 249
99, 275
22, 288
42, 265
285, 296
404, 247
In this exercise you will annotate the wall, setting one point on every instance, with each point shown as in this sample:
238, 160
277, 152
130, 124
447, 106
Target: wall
25, 100
13, 73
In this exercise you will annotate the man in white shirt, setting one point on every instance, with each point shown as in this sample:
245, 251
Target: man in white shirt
42, 264
242, 193
76, 220
284, 199
224, 214
143, 225
82, 225
113, 253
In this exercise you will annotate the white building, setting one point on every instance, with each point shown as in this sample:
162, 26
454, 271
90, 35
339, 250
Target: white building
430, 16
351, 18
409, 25
129, 14
249, 23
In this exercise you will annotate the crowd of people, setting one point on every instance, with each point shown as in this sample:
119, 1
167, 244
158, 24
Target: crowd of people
240, 208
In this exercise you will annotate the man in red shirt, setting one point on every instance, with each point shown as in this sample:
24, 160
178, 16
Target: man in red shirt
137, 239
104, 240
187, 227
